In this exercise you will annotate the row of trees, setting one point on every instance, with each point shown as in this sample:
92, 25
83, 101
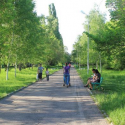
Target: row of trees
107, 45
27, 38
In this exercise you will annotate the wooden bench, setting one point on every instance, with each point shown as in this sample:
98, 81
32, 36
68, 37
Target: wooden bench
97, 83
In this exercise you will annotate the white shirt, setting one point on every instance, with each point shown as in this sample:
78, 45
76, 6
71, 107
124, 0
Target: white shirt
47, 72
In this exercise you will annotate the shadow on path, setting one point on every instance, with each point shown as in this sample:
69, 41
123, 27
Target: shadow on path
48, 103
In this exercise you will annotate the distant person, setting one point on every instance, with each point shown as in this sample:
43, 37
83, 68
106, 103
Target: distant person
40, 70
47, 74
66, 74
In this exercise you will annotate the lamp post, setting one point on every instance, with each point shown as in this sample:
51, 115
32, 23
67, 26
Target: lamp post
87, 45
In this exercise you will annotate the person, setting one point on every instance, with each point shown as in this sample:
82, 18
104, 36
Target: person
47, 74
40, 70
91, 78
66, 74
96, 79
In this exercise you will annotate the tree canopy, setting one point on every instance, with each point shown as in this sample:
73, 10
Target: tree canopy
106, 38
26, 38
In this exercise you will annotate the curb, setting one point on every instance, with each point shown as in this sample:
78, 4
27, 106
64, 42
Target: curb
12, 93
102, 111
89, 91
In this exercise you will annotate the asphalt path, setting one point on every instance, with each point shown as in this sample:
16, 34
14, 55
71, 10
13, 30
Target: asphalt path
49, 103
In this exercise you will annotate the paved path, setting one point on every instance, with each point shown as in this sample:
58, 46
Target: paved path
48, 103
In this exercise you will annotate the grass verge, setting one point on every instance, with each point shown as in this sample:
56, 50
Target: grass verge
24, 78
111, 98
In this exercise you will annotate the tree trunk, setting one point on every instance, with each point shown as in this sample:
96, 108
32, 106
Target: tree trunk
7, 71
96, 64
0, 66
32, 66
19, 67
100, 63
77, 59
15, 68
0, 60
79, 62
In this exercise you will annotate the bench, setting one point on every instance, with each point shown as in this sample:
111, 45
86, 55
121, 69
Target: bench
97, 83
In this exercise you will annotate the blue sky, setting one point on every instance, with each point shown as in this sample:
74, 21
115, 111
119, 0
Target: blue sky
70, 16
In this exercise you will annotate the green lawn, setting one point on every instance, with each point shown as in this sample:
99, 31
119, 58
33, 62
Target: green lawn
112, 98
23, 79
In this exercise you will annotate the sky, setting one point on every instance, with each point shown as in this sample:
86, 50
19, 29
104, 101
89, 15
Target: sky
70, 17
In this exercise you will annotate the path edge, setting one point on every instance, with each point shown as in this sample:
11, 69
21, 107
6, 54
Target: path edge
95, 100
18, 90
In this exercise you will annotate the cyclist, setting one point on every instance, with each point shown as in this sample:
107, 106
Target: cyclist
66, 74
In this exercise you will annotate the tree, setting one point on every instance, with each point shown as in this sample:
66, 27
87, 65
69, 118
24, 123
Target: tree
117, 11
7, 15
96, 21
26, 38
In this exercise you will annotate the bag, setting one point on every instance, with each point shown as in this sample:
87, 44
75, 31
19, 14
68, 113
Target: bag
37, 77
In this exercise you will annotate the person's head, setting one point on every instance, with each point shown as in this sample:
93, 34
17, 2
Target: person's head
40, 65
96, 71
93, 70
46, 69
66, 64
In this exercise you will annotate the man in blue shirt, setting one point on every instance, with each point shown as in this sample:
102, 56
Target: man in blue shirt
40, 70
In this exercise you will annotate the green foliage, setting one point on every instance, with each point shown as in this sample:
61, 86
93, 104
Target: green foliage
95, 21
26, 38
6, 27
106, 43
117, 11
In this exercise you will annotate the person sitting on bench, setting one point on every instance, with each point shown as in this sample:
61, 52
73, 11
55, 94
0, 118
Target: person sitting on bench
92, 78
95, 79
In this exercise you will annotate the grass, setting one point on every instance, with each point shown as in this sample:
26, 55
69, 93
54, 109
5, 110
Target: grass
111, 98
24, 78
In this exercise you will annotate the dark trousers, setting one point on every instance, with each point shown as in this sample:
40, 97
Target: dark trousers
47, 77
40, 75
